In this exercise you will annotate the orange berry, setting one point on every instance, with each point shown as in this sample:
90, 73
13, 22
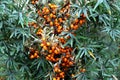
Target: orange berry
72, 26
47, 11
58, 78
47, 58
49, 4
44, 8
48, 43
48, 19
82, 70
67, 7
50, 51
81, 22
63, 64
45, 16
57, 59
67, 65
59, 27
53, 6
75, 27
54, 12
59, 70
56, 20
32, 56
36, 51
72, 75
61, 11
33, 2
35, 54
53, 47
41, 44
67, 15
60, 20
54, 16
68, 55
76, 20
45, 47
56, 69
64, 59
52, 58
49, 55
51, 23
57, 24
62, 74
35, 25
36, 1
56, 51
38, 12
51, 15
70, 63
43, 39
54, 79
59, 31
65, 18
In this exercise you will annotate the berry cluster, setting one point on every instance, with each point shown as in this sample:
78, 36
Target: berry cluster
53, 17
56, 21
62, 58
34, 1
78, 22
33, 24
34, 53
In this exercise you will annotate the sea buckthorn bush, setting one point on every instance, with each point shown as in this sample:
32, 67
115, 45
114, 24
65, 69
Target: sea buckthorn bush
59, 40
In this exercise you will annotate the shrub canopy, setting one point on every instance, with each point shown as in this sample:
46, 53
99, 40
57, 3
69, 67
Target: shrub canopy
59, 39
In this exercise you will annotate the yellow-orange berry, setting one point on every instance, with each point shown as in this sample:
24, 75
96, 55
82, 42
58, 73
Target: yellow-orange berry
45, 47
72, 75
70, 63
35, 54
43, 39
82, 70
81, 22
41, 44
54, 79
51, 23
32, 56
62, 74
72, 26
58, 78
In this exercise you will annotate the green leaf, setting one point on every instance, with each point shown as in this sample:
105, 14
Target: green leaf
81, 1
21, 20
116, 6
101, 18
82, 53
2, 8
85, 13
78, 55
1, 25
97, 4
39, 64
74, 6
107, 6
82, 76
79, 12
71, 42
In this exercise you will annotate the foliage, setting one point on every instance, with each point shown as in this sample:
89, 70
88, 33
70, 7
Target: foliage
59, 39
